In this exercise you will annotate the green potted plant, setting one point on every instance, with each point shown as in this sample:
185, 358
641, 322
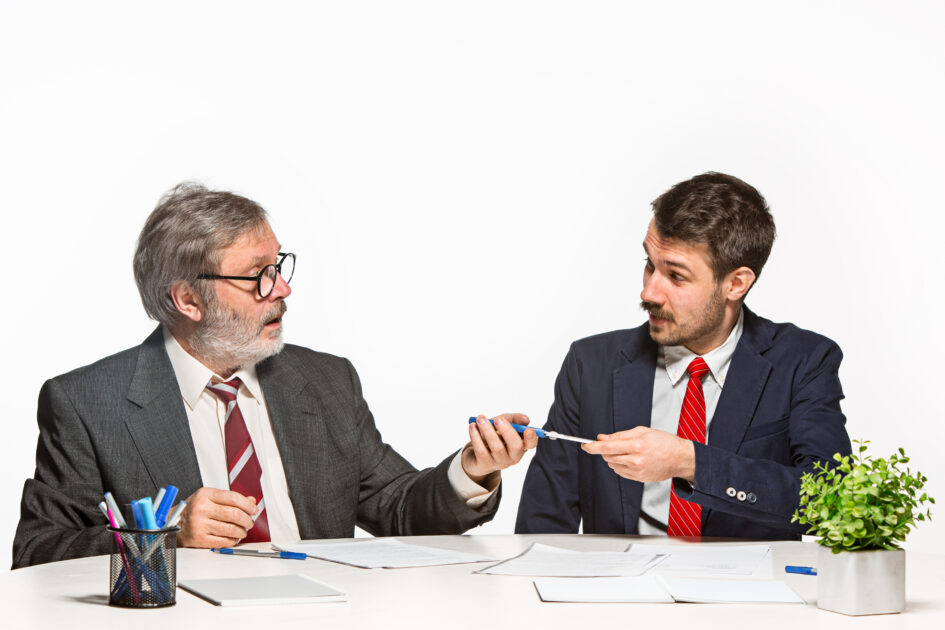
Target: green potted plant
862, 508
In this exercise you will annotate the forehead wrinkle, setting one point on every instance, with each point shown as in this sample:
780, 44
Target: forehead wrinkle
662, 260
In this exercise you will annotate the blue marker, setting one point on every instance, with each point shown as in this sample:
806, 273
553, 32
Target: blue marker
136, 513
800, 570
147, 513
551, 435
167, 500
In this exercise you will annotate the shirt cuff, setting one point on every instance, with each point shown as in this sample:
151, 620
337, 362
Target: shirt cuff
468, 490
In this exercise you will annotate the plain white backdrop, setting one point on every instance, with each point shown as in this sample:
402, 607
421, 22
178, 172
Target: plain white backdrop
467, 185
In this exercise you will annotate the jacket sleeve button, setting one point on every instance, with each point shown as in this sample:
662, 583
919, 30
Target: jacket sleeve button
741, 495
730, 491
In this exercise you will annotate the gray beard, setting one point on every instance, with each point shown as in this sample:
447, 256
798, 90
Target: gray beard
228, 339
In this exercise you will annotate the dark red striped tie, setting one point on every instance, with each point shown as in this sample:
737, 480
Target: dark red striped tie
242, 465
685, 518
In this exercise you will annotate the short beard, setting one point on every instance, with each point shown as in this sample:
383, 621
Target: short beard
709, 321
228, 339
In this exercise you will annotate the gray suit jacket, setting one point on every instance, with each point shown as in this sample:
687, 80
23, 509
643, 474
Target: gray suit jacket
120, 425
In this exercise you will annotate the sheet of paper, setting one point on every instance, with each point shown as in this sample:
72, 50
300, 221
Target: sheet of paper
709, 559
546, 561
641, 589
709, 591
382, 553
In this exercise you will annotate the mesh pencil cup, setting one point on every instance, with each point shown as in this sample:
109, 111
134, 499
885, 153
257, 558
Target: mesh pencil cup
143, 567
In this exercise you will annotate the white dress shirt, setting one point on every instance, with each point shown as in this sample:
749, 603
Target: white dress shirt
669, 389
206, 415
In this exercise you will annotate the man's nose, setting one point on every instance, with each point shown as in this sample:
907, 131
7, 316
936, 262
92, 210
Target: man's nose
280, 290
650, 292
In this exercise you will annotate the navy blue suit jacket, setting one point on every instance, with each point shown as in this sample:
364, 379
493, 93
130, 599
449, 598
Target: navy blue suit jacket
778, 413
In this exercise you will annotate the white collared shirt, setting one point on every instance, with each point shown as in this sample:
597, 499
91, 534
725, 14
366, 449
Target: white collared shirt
206, 415
669, 389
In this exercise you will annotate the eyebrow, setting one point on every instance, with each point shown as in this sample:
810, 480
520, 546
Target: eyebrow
262, 260
668, 263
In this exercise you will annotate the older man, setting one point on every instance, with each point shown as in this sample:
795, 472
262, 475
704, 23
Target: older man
268, 441
706, 416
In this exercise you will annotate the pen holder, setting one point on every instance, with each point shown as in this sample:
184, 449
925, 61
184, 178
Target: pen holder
143, 567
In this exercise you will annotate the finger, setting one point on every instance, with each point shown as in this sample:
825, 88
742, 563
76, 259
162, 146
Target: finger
592, 447
234, 499
225, 529
480, 450
531, 439
618, 447
497, 447
514, 445
514, 418
232, 515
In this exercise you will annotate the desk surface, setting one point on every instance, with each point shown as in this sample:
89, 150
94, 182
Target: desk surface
73, 594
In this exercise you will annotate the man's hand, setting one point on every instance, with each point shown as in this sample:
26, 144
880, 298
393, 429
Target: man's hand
645, 454
492, 449
216, 518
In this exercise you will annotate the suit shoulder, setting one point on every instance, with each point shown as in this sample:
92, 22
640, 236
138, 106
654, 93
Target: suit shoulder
788, 338
308, 359
118, 365
609, 342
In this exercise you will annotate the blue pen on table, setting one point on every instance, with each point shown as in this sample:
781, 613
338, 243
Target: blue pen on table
285, 555
542, 433
800, 570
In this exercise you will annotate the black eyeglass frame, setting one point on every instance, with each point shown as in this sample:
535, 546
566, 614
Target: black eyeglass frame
258, 277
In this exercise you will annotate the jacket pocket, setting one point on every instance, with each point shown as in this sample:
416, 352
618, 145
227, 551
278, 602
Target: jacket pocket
766, 429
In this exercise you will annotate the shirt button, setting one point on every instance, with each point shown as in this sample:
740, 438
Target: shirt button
741, 495
752, 498
730, 491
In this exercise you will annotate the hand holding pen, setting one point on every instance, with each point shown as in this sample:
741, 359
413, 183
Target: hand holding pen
216, 518
495, 444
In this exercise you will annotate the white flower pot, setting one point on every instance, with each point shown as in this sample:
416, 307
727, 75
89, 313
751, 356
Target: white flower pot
861, 582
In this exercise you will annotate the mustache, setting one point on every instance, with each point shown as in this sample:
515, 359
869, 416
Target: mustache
276, 313
656, 311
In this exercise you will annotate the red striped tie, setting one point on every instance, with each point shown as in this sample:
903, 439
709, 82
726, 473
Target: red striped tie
685, 518
241, 462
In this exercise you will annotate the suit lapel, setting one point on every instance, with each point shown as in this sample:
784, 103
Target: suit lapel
633, 407
744, 384
298, 429
159, 428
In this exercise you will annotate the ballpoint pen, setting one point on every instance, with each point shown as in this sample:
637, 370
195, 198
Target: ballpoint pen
542, 433
285, 555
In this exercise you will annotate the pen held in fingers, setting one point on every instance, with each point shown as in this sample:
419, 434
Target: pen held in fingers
554, 435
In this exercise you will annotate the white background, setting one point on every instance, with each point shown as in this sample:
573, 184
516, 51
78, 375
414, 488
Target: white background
467, 186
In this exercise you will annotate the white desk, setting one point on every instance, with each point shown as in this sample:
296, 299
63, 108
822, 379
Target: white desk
73, 594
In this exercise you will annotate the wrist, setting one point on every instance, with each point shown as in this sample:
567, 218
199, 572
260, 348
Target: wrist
687, 461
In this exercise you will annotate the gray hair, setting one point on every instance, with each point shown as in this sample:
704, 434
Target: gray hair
184, 237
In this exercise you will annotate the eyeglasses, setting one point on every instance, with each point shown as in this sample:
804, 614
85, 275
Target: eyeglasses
266, 279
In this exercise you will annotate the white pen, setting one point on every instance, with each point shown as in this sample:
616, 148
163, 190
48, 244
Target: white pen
542, 433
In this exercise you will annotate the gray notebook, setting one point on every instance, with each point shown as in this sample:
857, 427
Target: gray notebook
264, 590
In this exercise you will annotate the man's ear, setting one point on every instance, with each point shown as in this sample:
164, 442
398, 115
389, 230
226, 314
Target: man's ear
739, 281
187, 301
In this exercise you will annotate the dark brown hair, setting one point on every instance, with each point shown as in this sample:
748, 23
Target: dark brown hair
723, 212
